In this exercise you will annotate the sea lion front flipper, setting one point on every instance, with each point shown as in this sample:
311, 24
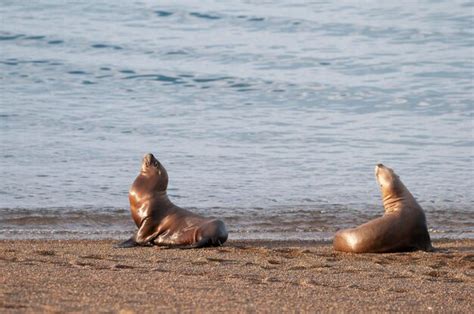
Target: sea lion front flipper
147, 232
144, 236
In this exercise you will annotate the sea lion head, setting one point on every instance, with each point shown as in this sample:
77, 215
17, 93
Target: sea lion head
153, 170
389, 181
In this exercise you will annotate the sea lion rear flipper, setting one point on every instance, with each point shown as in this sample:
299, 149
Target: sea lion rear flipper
201, 243
128, 243
204, 242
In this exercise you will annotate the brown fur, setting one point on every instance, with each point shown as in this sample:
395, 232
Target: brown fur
401, 228
161, 222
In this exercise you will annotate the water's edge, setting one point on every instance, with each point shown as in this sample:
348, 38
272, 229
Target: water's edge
288, 223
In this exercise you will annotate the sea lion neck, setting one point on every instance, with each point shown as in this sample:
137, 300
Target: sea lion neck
159, 195
145, 172
156, 181
395, 199
391, 203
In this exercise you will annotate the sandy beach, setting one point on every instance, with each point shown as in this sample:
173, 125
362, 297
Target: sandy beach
242, 276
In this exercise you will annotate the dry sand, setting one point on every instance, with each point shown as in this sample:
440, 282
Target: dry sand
242, 276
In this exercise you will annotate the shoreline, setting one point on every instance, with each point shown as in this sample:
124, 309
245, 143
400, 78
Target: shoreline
242, 276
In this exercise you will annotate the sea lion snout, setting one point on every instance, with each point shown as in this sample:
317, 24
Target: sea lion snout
377, 168
384, 175
382, 170
149, 159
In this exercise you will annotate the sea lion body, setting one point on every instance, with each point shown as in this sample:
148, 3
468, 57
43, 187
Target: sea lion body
401, 228
161, 222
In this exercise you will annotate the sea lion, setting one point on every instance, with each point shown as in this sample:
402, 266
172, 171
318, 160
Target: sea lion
401, 228
159, 221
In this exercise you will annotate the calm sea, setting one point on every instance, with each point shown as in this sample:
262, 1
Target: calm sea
268, 114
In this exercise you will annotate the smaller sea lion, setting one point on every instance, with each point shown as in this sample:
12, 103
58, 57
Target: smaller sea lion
401, 228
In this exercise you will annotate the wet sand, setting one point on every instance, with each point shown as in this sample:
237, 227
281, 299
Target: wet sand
242, 276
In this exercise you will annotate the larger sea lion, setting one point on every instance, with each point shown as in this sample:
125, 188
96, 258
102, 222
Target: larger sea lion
401, 228
161, 222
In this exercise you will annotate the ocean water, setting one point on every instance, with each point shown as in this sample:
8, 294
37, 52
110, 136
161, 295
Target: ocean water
269, 115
